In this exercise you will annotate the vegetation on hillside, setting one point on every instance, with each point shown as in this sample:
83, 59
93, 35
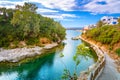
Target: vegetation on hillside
24, 26
106, 34
118, 51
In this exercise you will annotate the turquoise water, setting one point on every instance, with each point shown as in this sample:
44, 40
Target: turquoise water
50, 66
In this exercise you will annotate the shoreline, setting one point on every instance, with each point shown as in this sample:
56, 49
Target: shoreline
17, 54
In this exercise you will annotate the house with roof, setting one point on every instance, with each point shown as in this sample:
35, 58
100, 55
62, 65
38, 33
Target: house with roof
109, 20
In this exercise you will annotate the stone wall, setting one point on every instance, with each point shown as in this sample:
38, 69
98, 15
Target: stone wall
94, 70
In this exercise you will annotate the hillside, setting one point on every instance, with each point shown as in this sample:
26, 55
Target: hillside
23, 26
107, 36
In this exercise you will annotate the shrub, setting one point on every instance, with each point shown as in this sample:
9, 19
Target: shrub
32, 41
118, 51
107, 34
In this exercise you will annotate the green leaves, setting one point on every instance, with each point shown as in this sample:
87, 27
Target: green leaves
77, 62
118, 51
82, 49
67, 76
75, 57
27, 20
61, 55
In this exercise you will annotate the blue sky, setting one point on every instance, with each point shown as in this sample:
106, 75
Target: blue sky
72, 13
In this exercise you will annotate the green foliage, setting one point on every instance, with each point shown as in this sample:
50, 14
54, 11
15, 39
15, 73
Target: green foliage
118, 51
77, 62
24, 24
61, 55
83, 50
67, 76
107, 34
26, 20
99, 23
32, 41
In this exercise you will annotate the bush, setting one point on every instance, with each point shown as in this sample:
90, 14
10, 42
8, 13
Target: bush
118, 51
32, 41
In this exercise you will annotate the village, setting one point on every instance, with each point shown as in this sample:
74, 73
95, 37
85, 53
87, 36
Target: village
106, 20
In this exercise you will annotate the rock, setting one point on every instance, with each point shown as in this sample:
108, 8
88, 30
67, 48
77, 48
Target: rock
49, 46
17, 54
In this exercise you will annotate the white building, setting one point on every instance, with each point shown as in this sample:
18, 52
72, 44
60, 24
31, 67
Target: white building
109, 20
88, 27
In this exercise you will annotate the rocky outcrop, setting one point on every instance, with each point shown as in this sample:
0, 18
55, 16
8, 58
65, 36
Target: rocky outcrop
15, 55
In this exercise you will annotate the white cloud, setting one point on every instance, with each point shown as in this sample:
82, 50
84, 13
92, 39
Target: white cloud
66, 5
60, 16
42, 10
52, 9
68, 15
92, 6
11, 4
111, 6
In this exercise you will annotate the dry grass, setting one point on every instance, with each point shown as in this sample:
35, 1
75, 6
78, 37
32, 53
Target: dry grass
45, 40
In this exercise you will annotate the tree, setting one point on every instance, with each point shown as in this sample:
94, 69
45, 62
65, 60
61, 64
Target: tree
99, 23
4, 15
59, 32
27, 20
24, 24
28, 7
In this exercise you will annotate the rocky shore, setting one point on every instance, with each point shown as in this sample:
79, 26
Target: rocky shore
17, 54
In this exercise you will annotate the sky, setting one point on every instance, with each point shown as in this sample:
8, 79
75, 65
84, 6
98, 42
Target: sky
72, 13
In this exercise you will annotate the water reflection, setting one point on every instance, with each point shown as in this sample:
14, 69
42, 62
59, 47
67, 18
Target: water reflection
28, 70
